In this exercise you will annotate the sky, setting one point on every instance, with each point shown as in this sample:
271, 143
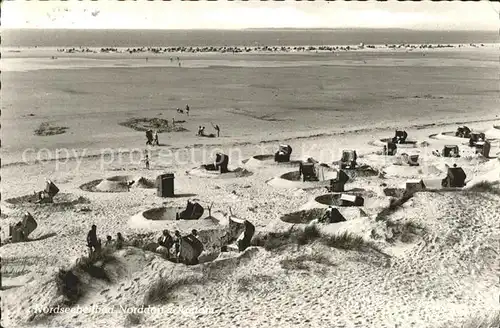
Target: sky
222, 14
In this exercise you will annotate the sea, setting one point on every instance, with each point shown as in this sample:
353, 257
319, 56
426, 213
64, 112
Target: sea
246, 37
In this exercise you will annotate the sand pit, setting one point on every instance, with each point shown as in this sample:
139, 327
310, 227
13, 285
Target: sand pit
293, 180
449, 136
334, 199
305, 216
118, 184
394, 192
362, 171
203, 173
162, 213
267, 160
158, 124
61, 200
46, 129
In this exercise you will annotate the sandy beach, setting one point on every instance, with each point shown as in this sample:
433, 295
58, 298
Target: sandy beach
430, 262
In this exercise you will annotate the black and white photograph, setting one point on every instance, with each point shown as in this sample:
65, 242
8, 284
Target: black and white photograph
250, 164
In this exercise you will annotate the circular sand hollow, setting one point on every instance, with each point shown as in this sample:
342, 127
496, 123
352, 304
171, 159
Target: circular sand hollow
162, 213
448, 135
60, 200
334, 199
293, 180
394, 192
304, 216
406, 144
117, 184
362, 171
268, 159
203, 173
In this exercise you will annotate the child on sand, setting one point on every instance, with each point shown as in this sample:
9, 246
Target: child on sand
155, 138
146, 161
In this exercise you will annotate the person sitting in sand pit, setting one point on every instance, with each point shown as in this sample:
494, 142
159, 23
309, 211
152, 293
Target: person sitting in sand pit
92, 242
109, 241
193, 237
119, 241
165, 242
177, 243
129, 184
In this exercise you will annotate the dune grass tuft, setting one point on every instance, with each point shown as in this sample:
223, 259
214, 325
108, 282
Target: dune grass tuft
485, 186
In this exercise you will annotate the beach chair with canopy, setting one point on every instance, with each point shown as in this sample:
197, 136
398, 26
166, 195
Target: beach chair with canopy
23, 229
413, 186
348, 159
283, 154
476, 137
400, 136
193, 211
455, 178
451, 151
463, 132
149, 137
190, 249
413, 160
391, 148
221, 162
47, 195
483, 148
338, 184
307, 171
243, 241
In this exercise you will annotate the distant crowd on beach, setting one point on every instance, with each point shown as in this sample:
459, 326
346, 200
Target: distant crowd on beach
246, 49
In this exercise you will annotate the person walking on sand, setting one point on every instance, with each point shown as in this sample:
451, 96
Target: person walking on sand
155, 138
187, 110
217, 128
146, 161
92, 242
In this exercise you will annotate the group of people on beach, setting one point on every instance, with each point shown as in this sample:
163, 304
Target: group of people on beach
166, 242
152, 138
182, 111
201, 131
95, 246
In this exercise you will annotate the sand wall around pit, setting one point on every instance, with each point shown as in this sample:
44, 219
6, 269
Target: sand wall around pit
383, 142
61, 200
232, 174
118, 184
158, 219
305, 216
293, 180
268, 160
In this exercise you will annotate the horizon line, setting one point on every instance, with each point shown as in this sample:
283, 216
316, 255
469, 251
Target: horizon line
247, 29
